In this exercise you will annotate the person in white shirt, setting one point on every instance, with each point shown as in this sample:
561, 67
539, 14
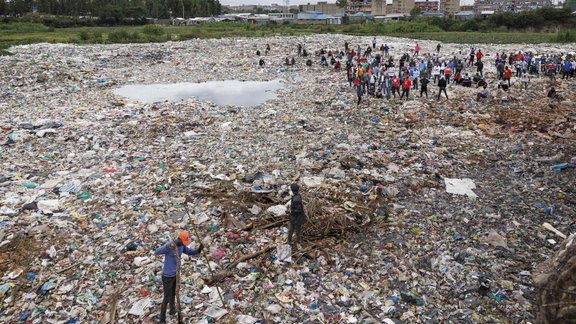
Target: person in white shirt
436, 72
524, 79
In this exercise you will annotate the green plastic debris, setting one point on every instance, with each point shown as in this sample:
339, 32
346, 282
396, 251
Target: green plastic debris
30, 185
415, 231
84, 195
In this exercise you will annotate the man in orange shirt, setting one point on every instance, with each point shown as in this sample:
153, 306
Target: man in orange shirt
447, 73
507, 74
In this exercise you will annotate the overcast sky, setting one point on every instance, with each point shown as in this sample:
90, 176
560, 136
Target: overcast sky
293, 2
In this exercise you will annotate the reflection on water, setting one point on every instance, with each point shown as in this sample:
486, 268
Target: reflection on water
229, 92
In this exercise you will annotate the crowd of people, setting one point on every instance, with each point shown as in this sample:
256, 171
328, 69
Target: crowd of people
375, 72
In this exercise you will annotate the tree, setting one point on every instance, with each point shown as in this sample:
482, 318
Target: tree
570, 4
342, 3
416, 11
111, 15
114, 11
3, 7
20, 7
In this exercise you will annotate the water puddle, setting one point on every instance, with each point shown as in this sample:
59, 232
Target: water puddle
229, 92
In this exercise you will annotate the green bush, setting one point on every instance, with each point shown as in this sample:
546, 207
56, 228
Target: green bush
195, 33
123, 36
410, 27
24, 27
58, 21
85, 36
97, 37
153, 30
156, 38
564, 37
326, 29
134, 37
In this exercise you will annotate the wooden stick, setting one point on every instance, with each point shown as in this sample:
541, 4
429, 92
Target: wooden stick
274, 224
229, 271
68, 268
202, 252
114, 301
250, 256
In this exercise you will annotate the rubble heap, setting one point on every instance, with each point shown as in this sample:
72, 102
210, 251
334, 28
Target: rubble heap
421, 211
555, 281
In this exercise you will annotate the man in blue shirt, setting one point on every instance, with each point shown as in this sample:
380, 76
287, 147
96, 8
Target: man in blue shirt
169, 271
567, 67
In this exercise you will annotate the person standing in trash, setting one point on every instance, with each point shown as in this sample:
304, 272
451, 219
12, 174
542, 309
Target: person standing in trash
406, 88
169, 270
297, 215
395, 86
359, 90
442, 83
424, 85
480, 68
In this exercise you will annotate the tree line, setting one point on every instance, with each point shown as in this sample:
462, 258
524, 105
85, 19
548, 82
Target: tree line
543, 19
113, 10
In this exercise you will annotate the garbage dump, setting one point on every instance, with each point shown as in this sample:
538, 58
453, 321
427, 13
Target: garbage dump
419, 211
555, 281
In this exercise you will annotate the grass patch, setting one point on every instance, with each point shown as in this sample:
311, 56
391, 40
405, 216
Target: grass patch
24, 27
568, 36
153, 30
27, 33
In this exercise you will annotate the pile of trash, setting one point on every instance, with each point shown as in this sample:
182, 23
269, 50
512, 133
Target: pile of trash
555, 281
419, 210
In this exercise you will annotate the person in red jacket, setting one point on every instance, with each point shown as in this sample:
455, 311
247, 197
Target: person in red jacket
507, 74
479, 55
447, 73
395, 86
406, 87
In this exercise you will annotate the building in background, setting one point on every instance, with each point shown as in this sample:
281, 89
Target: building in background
450, 7
427, 5
400, 7
510, 5
364, 6
378, 8
323, 7
368, 7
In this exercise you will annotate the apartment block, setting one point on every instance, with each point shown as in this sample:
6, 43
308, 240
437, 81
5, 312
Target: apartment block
450, 7
510, 5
